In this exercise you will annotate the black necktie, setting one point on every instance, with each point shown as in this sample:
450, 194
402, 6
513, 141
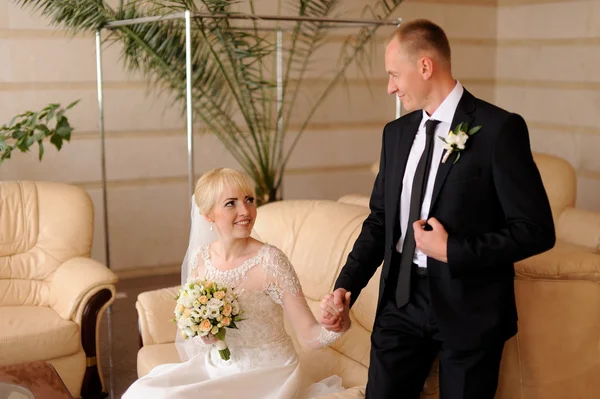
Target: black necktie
416, 200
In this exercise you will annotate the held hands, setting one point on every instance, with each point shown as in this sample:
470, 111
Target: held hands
335, 310
432, 242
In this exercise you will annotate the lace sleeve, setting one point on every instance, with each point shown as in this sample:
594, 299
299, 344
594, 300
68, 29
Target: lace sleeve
284, 288
196, 267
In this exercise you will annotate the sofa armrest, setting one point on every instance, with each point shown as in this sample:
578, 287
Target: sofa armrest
155, 312
77, 279
580, 227
355, 199
563, 262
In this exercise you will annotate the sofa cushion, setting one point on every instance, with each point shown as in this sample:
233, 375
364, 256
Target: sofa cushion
151, 356
565, 261
32, 333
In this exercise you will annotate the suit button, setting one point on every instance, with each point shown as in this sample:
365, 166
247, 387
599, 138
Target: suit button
391, 246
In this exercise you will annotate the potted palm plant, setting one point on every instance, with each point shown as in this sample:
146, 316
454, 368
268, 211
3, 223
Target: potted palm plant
234, 90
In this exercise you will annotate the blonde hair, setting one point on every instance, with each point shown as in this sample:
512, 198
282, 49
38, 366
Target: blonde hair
212, 183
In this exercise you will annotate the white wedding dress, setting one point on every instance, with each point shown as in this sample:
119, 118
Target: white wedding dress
264, 362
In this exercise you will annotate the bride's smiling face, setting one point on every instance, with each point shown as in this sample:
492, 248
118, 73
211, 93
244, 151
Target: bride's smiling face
234, 213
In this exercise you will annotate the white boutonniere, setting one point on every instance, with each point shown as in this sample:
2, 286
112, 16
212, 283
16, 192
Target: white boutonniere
456, 140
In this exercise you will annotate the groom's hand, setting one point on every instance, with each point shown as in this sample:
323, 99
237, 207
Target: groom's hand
335, 310
433, 243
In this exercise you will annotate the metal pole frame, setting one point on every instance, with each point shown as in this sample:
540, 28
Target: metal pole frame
187, 16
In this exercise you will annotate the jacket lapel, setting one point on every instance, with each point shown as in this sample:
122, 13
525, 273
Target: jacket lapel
404, 143
464, 113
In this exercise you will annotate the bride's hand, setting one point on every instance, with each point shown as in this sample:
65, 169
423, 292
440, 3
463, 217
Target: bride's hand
209, 339
336, 318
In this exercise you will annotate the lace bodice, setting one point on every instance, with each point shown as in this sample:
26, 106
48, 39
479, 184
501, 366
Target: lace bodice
267, 285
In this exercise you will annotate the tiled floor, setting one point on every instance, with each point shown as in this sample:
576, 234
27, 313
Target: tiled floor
121, 372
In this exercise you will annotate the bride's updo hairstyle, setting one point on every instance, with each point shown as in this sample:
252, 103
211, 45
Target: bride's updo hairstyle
212, 183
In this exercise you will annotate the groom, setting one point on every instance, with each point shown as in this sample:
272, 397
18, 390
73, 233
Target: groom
448, 230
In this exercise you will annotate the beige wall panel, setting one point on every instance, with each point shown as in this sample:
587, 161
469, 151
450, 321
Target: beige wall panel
358, 105
588, 190
148, 225
562, 144
549, 63
568, 19
484, 90
337, 148
24, 18
474, 61
5, 67
328, 184
125, 109
63, 59
577, 107
590, 146
4, 7
78, 161
159, 157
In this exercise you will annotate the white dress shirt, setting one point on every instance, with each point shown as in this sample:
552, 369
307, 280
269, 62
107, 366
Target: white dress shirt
444, 114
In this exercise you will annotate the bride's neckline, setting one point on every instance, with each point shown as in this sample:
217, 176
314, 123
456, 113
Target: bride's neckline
249, 261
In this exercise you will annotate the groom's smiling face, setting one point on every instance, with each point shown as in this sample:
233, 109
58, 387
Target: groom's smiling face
408, 75
234, 213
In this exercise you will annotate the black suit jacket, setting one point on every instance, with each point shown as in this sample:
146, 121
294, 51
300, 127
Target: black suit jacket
491, 202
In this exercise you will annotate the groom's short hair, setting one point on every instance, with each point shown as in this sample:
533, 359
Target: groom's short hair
421, 35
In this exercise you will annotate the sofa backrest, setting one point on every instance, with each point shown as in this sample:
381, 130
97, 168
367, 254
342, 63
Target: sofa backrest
560, 181
317, 237
42, 224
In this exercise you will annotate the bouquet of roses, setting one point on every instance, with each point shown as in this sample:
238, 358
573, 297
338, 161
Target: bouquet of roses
207, 308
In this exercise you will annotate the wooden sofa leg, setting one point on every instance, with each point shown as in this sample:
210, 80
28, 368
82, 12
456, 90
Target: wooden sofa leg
92, 384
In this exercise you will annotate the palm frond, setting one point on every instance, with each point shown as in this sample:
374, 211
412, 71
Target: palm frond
230, 73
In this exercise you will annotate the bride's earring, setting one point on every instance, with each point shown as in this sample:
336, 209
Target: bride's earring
211, 226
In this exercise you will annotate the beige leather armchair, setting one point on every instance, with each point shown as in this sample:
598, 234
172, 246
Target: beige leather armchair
52, 294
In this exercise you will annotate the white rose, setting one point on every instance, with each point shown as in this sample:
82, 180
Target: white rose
461, 139
214, 330
213, 313
203, 312
214, 303
451, 138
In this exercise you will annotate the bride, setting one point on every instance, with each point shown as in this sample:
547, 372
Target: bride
263, 363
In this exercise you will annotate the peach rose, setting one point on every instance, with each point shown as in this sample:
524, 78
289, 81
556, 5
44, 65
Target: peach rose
219, 294
206, 325
226, 321
227, 308
203, 299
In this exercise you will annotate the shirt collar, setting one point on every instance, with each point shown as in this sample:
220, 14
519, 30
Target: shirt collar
446, 110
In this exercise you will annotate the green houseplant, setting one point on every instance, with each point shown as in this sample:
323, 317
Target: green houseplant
26, 129
234, 86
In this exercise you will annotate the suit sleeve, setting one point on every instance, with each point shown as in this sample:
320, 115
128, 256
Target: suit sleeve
528, 228
368, 250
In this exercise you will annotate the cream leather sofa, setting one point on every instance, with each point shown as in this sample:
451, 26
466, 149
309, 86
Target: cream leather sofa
556, 354
52, 294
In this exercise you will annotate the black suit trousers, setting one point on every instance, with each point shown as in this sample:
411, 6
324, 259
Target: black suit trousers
405, 342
